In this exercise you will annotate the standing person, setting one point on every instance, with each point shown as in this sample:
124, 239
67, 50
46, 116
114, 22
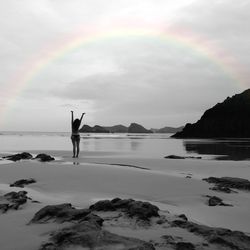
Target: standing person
75, 135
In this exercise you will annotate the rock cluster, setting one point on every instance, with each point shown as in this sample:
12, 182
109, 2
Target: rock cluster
44, 157
225, 238
87, 230
18, 157
182, 157
13, 200
139, 209
216, 201
225, 183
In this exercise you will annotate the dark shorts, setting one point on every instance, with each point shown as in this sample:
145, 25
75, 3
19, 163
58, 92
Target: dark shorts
75, 138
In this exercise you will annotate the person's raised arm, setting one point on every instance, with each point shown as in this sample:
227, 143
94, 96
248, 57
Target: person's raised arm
82, 117
72, 117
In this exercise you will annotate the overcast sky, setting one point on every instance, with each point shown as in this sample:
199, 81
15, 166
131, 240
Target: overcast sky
192, 54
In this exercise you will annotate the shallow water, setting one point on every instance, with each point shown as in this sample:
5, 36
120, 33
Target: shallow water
145, 145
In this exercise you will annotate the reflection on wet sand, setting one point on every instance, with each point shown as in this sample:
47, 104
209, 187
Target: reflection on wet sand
222, 149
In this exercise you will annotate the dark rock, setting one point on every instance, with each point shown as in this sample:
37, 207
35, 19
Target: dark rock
59, 213
22, 182
93, 218
229, 119
216, 201
230, 182
18, 157
139, 209
182, 157
44, 157
220, 188
91, 236
183, 216
137, 128
15, 199
184, 246
232, 240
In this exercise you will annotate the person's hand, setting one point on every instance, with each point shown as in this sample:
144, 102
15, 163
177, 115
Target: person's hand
83, 113
71, 111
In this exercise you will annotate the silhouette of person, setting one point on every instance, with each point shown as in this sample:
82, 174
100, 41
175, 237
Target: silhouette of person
75, 135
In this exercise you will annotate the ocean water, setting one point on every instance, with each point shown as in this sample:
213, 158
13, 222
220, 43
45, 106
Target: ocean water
147, 145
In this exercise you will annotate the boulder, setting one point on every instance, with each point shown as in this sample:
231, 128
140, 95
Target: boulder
229, 182
44, 157
18, 157
60, 213
21, 183
139, 209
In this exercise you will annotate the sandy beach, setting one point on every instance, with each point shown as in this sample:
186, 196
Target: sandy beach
103, 175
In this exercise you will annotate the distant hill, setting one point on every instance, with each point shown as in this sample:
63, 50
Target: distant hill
229, 119
137, 128
167, 130
96, 129
117, 129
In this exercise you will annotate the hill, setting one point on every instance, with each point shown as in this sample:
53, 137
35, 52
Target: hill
137, 128
167, 130
229, 119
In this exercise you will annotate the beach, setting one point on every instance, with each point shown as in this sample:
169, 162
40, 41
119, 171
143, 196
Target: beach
128, 167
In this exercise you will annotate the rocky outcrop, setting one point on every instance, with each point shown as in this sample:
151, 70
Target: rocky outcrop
139, 209
221, 237
89, 235
59, 213
229, 119
18, 157
23, 182
137, 128
44, 157
229, 182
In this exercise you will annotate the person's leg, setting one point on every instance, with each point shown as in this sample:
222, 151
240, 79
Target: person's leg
77, 147
74, 147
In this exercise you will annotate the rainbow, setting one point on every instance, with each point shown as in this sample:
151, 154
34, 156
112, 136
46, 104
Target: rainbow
187, 40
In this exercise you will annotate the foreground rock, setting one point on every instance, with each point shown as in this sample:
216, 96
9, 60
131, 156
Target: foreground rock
139, 209
60, 213
229, 182
13, 200
18, 157
21, 183
227, 239
89, 235
216, 201
182, 157
44, 157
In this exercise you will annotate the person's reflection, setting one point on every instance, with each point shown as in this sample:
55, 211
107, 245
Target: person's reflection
76, 163
134, 145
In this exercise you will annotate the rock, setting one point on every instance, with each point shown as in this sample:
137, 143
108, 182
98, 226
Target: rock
229, 182
60, 213
216, 201
44, 157
182, 157
18, 157
184, 246
222, 189
229, 119
88, 235
15, 200
183, 216
139, 209
96, 129
21, 183
225, 238
137, 128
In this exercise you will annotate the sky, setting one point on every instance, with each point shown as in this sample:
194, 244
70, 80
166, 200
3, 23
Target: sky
154, 62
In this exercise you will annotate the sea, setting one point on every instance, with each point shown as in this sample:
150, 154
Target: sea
145, 145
